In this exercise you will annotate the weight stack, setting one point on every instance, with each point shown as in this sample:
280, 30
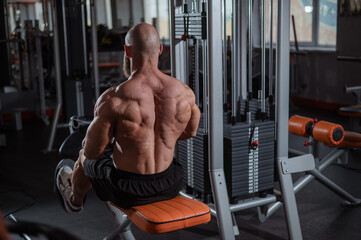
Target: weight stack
247, 170
254, 106
193, 156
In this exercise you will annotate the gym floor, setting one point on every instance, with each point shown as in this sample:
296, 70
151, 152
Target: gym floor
26, 190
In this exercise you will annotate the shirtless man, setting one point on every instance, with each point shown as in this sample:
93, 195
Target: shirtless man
145, 115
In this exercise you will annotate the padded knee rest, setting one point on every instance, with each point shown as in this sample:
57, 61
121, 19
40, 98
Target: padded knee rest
169, 215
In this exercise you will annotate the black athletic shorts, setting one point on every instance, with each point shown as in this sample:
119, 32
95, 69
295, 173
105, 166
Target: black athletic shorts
127, 189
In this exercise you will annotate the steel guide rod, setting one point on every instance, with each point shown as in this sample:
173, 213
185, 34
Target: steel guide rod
235, 47
215, 137
250, 47
172, 37
205, 76
225, 53
39, 69
238, 54
263, 57
83, 29
186, 53
205, 86
243, 23
94, 41
66, 50
196, 70
270, 54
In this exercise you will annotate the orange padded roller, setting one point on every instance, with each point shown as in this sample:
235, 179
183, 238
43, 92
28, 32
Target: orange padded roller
300, 125
169, 215
329, 133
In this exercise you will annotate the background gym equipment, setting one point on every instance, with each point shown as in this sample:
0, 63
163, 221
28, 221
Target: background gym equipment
29, 73
72, 72
332, 135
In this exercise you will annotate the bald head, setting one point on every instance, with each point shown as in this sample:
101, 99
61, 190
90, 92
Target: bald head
143, 38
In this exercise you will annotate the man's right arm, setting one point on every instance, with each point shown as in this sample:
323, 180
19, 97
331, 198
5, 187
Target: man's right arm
101, 129
192, 126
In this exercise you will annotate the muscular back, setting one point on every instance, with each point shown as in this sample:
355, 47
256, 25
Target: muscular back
148, 113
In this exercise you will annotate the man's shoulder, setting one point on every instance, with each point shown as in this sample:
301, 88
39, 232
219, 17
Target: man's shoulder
109, 99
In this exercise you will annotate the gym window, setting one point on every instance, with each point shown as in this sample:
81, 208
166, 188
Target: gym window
316, 23
156, 13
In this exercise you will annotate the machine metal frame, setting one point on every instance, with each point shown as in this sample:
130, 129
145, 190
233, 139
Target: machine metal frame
221, 207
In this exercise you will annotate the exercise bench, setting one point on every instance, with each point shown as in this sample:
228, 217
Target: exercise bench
332, 135
159, 217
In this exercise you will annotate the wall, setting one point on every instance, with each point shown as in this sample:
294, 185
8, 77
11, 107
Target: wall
324, 77
122, 10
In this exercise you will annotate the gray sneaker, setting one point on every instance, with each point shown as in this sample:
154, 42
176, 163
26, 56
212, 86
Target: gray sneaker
63, 187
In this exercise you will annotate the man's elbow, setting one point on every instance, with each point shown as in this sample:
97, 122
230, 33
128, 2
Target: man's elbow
91, 155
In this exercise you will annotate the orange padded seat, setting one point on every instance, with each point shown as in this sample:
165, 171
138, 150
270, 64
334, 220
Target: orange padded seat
169, 215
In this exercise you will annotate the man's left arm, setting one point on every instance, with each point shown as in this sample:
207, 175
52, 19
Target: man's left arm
100, 131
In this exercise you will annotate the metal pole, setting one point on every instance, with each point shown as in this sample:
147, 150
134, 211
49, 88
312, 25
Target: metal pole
185, 61
29, 35
283, 52
121, 222
238, 54
66, 51
94, 49
225, 53
83, 29
59, 97
254, 202
39, 69
196, 70
215, 138
246, 204
263, 57
205, 86
270, 54
235, 47
172, 37
243, 49
250, 48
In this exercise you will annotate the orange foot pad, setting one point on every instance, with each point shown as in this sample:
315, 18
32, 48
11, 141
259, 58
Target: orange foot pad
169, 215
